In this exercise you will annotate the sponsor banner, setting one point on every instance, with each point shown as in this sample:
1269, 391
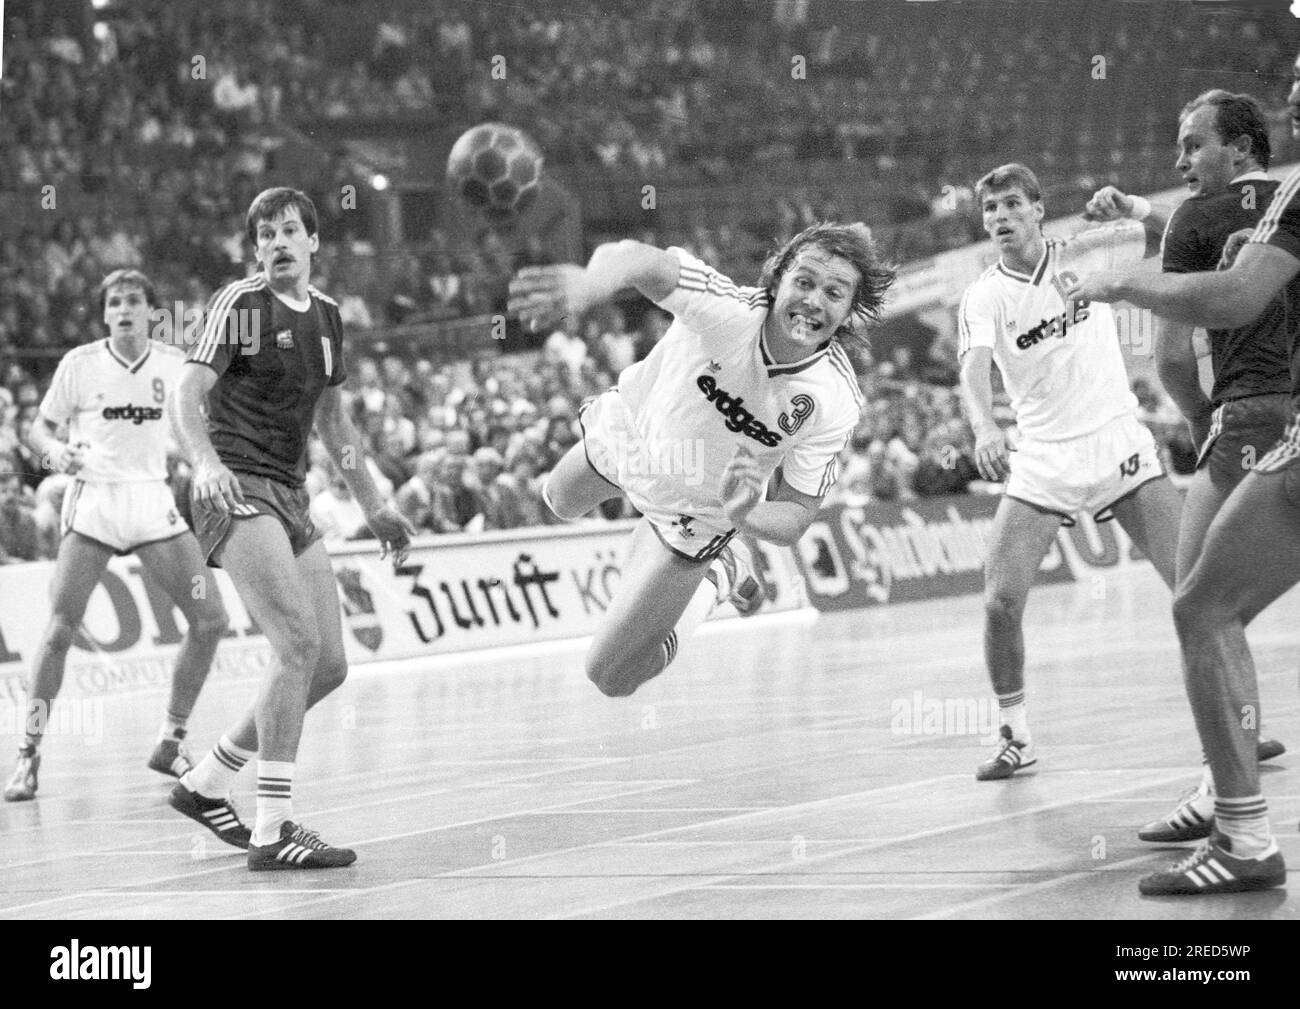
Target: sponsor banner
865, 555
455, 593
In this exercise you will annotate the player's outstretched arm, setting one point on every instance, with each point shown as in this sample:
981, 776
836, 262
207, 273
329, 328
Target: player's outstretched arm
341, 439
992, 454
782, 520
212, 482
1180, 374
549, 295
1222, 300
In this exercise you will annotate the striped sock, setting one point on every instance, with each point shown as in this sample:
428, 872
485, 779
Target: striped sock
1244, 821
215, 774
274, 799
697, 610
1015, 712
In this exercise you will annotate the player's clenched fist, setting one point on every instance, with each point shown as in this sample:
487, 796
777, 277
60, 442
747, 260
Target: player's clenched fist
1108, 204
1232, 246
547, 295
741, 486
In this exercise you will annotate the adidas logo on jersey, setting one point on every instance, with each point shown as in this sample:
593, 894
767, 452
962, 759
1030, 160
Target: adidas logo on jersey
135, 414
1057, 327
738, 418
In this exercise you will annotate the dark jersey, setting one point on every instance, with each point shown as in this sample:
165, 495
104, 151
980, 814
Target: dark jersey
1251, 360
274, 363
1280, 226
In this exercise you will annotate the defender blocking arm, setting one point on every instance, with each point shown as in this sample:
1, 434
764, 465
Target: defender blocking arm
548, 295
1109, 204
1226, 299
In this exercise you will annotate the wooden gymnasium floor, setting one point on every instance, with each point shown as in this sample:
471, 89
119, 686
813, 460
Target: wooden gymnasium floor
760, 778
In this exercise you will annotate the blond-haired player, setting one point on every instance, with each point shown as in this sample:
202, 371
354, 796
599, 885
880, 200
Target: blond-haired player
746, 380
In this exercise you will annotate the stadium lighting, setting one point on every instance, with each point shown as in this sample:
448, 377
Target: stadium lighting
379, 182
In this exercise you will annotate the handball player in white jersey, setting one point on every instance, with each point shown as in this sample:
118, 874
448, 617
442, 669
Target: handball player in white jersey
746, 380
1081, 445
112, 395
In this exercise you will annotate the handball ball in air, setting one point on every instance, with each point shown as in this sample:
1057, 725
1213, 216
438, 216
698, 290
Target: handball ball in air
496, 168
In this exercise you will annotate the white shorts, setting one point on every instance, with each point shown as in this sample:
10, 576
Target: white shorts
122, 516
1086, 474
615, 452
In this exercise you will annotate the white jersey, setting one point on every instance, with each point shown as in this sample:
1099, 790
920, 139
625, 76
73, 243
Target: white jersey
117, 407
1060, 361
710, 386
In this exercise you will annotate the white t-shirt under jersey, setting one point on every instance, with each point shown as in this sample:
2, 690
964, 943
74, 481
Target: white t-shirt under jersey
710, 385
1061, 363
118, 407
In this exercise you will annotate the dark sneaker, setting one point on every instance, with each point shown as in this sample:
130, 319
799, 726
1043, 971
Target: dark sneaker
1191, 820
1213, 868
1011, 756
218, 815
170, 757
1269, 748
298, 848
22, 786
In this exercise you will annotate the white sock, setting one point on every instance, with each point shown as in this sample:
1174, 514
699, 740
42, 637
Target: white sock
215, 774
274, 799
1014, 712
1244, 821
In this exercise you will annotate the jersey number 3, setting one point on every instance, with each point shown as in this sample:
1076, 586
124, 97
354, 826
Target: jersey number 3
803, 408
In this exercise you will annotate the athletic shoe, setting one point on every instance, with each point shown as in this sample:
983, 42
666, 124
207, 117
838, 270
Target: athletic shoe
171, 757
733, 574
1191, 820
218, 815
1012, 756
1270, 748
298, 848
1213, 868
22, 786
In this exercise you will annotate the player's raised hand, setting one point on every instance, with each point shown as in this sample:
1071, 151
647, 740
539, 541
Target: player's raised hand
1232, 246
992, 454
393, 532
216, 487
741, 487
1108, 204
1100, 286
548, 295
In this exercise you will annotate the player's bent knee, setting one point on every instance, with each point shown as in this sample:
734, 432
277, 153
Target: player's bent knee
558, 508
331, 672
609, 679
211, 626
1198, 610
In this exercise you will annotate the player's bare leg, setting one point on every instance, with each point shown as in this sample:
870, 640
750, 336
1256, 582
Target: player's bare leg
177, 566
1251, 557
1150, 516
638, 635
80, 564
1020, 538
574, 488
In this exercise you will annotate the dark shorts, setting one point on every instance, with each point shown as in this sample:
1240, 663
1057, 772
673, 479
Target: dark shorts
1283, 461
261, 497
1242, 432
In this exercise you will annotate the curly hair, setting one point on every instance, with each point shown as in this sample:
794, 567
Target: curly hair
852, 242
